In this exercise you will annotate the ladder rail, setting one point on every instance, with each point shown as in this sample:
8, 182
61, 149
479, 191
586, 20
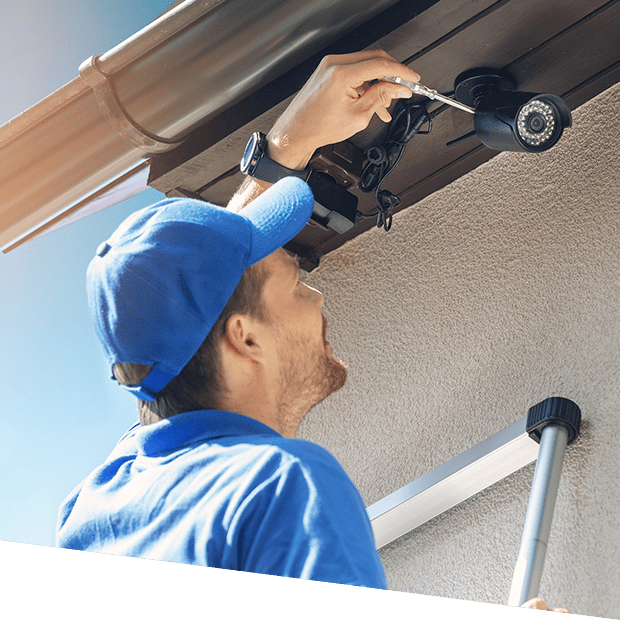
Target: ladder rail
453, 482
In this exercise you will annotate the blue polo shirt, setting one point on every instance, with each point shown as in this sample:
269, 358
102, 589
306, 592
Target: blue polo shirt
219, 489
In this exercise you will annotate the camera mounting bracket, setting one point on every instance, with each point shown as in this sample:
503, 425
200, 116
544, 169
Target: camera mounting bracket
471, 85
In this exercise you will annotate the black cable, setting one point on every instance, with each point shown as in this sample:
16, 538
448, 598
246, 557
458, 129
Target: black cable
407, 121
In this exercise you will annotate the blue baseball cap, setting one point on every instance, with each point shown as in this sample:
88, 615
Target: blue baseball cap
157, 286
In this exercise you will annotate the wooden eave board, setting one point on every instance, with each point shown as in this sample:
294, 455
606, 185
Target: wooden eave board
566, 47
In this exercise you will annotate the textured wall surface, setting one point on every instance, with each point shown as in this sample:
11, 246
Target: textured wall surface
489, 296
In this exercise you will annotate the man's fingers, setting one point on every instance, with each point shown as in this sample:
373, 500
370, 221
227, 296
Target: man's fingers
375, 69
378, 98
362, 88
355, 57
535, 603
538, 603
385, 92
384, 115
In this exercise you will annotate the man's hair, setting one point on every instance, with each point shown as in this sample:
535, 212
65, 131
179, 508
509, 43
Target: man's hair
199, 384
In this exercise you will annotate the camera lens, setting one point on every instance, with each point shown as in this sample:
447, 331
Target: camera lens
536, 123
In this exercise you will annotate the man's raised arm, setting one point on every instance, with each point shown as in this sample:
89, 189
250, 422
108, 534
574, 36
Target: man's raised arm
335, 103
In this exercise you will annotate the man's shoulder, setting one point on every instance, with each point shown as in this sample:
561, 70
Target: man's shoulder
291, 459
234, 444
297, 448
311, 455
274, 451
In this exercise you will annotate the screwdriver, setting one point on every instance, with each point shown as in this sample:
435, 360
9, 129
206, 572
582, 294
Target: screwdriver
418, 89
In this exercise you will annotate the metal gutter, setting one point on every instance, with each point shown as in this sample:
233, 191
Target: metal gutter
148, 93
127, 185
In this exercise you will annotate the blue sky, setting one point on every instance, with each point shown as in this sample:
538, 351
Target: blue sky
60, 414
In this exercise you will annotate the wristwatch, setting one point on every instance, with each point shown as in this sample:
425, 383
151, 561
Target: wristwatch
255, 162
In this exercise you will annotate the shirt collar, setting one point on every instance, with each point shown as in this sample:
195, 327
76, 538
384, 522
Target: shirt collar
184, 428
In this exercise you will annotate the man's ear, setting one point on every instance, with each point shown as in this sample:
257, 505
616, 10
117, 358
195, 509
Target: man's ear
243, 336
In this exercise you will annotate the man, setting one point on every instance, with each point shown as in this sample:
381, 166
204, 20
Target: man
203, 317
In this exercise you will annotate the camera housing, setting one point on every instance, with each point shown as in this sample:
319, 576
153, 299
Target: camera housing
511, 120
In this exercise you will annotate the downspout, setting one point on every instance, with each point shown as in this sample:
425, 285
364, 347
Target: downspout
145, 95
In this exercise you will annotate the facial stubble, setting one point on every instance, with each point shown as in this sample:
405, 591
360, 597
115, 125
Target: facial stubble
308, 376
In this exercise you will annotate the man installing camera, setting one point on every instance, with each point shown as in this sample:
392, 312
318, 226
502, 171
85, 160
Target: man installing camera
200, 309
202, 316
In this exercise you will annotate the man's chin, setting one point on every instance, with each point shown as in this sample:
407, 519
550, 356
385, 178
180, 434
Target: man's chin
339, 374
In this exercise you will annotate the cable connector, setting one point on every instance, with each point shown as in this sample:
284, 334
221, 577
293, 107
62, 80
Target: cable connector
407, 121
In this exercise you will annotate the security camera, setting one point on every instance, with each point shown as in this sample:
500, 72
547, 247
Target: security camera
511, 120
521, 121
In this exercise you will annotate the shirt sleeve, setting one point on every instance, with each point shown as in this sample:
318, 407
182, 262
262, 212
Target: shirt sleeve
306, 520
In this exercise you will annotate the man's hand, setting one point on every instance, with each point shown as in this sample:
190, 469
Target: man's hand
336, 103
538, 603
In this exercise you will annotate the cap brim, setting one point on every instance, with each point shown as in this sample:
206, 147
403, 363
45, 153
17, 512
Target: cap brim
278, 215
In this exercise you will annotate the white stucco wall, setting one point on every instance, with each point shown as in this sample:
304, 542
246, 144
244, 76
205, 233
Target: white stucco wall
487, 297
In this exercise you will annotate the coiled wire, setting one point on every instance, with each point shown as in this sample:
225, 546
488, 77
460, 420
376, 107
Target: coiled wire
407, 121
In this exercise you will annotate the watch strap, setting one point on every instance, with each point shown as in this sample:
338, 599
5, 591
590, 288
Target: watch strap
265, 169
268, 170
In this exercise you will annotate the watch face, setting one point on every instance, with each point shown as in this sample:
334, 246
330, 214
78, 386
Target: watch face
249, 155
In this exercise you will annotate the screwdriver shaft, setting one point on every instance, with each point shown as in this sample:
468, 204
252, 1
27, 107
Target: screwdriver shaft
419, 89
